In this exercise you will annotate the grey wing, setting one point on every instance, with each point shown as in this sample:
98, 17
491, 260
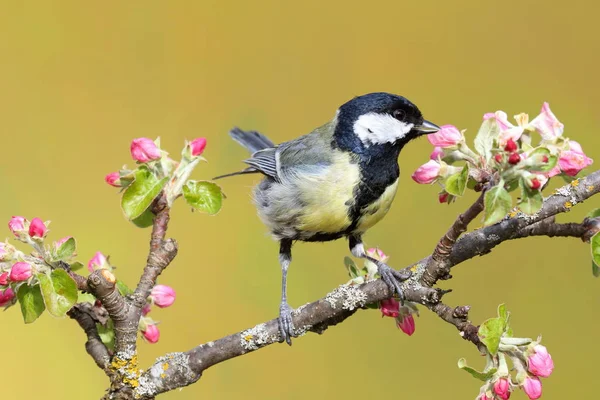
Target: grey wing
306, 154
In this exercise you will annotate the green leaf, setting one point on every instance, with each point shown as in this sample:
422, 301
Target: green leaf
490, 333
531, 201
145, 220
85, 298
594, 213
503, 313
497, 204
66, 250
455, 184
31, 301
595, 242
483, 376
107, 334
141, 193
59, 291
76, 266
595, 270
203, 196
535, 160
351, 267
123, 288
484, 141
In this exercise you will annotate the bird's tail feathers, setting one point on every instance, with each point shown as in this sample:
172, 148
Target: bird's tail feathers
243, 172
251, 140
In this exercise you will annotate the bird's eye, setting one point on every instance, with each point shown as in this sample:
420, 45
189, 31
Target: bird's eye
399, 114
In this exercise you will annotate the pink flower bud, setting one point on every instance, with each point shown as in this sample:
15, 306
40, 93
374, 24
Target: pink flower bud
540, 363
60, 242
113, 179
144, 150
389, 307
553, 172
406, 323
146, 309
547, 125
510, 146
17, 225
447, 136
197, 146
437, 153
151, 334
532, 386
6, 297
162, 295
501, 118
427, 173
377, 254
502, 388
443, 197
20, 271
37, 228
499, 158
4, 279
573, 161
97, 262
514, 159
535, 184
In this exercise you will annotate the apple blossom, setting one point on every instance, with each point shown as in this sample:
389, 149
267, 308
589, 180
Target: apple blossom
20, 271
162, 296
447, 136
144, 150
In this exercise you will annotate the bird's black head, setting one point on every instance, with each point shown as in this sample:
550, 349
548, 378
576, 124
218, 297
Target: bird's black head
376, 119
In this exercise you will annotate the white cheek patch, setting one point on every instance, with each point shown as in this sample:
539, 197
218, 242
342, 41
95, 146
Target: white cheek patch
374, 128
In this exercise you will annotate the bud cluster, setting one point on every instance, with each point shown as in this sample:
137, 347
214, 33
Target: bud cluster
161, 296
504, 155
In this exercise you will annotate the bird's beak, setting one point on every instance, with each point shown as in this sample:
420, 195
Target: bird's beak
427, 127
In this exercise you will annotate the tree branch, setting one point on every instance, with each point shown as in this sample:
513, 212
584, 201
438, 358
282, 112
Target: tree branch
82, 313
176, 370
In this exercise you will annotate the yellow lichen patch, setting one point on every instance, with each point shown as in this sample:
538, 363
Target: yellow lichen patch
248, 338
513, 213
163, 376
165, 366
590, 188
575, 183
568, 205
414, 268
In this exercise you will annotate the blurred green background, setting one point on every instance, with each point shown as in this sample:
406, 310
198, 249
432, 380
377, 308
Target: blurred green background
79, 80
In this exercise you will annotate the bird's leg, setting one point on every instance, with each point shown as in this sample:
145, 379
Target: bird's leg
286, 326
390, 276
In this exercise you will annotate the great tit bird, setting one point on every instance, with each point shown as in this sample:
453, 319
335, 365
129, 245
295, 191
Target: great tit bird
337, 181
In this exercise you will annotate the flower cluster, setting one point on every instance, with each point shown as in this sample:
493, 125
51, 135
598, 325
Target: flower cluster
530, 361
403, 314
161, 296
505, 157
157, 173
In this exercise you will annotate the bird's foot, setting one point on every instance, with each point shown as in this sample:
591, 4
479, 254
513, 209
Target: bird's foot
286, 326
393, 278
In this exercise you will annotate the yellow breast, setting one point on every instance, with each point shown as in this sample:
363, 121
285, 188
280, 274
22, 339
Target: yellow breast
326, 196
378, 209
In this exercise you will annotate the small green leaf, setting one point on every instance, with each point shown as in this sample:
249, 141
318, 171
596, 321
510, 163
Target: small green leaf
145, 220
123, 288
351, 267
76, 266
595, 270
503, 313
484, 141
594, 213
66, 250
31, 301
141, 193
455, 184
531, 200
483, 376
85, 298
540, 160
490, 333
595, 242
203, 196
107, 334
59, 291
497, 204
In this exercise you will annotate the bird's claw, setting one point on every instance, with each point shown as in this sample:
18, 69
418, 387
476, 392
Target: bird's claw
286, 326
393, 278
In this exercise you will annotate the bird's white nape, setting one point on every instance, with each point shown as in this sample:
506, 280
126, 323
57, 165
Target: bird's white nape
375, 128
